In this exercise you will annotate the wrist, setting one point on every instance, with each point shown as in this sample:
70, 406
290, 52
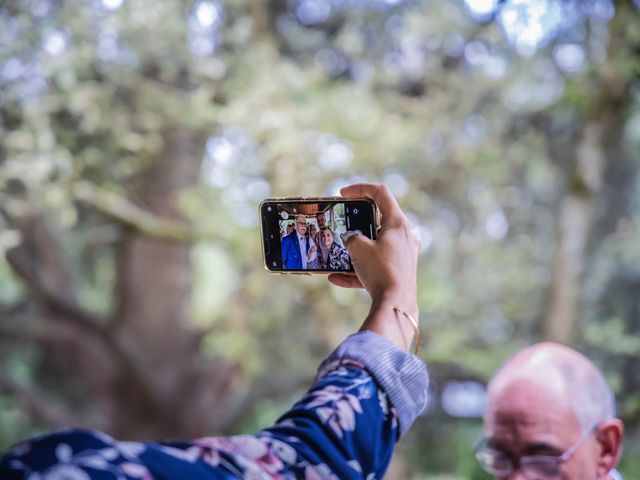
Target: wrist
395, 317
405, 299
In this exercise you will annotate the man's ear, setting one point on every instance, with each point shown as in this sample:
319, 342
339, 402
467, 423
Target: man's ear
609, 436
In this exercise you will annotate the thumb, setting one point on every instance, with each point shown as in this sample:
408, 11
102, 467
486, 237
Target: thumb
356, 243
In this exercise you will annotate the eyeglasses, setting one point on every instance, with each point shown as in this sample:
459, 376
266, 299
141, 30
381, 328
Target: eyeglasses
533, 467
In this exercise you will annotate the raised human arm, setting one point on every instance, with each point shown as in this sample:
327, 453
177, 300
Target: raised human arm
366, 395
386, 267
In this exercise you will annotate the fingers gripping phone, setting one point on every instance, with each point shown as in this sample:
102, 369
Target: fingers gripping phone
303, 235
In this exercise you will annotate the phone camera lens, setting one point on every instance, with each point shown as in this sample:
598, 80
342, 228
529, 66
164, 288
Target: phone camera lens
268, 209
274, 264
355, 211
272, 236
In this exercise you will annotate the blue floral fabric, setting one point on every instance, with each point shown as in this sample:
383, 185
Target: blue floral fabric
344, 428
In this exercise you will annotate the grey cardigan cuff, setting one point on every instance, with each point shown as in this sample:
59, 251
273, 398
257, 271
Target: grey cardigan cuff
401, 375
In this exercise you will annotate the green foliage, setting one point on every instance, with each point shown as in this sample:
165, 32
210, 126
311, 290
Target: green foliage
480, 150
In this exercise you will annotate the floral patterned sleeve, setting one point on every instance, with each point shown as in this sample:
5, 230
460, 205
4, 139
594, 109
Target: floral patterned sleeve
367, 393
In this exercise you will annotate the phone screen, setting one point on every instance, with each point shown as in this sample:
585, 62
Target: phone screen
305, 235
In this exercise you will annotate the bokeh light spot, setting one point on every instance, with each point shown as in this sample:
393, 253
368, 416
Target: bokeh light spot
208, 13
527, 23
464, 399
481, 9
112, 4
570, 57
496, 225
312, 12
55, 43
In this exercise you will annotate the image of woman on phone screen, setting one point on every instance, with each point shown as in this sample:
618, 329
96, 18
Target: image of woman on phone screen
337, 257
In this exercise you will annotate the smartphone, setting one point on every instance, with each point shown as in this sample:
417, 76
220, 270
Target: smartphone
303, 235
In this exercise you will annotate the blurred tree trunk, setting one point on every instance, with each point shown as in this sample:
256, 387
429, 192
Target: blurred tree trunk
153, 280
596, 161
573, 228
154, 294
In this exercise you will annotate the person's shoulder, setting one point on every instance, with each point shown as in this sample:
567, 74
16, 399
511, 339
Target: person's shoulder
288, 238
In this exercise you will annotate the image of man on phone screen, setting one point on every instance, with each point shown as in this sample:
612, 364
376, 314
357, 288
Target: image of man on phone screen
299, 252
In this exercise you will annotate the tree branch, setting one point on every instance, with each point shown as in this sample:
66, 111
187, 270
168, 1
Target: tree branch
123, 211
35, 401
30, 333
55, 303
70, 312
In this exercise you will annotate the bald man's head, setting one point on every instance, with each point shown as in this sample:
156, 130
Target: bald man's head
567, 373
549, 401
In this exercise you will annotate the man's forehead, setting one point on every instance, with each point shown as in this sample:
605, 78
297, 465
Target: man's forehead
529, 377
526, 412
530, 389
527, 404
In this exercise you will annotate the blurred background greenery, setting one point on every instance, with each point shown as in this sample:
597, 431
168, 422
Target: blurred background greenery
137, 138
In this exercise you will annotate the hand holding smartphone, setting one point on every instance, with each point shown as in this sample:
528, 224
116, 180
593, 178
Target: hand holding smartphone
386, 267
303, 235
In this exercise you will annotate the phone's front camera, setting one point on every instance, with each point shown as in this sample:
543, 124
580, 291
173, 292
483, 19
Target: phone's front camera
275, 264
355, 211
268, 209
